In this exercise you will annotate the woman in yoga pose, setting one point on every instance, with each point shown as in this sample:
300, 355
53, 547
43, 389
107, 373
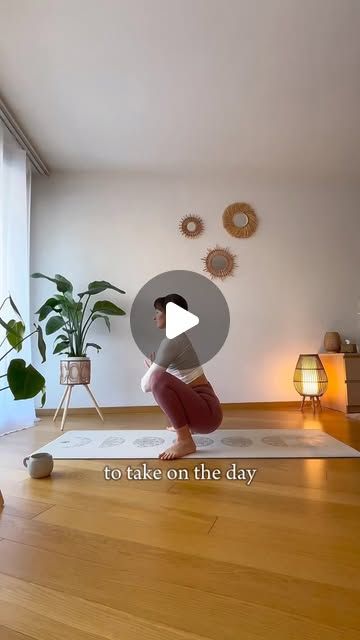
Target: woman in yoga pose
179, 386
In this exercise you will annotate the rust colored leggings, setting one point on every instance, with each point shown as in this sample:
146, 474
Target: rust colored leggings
197, 407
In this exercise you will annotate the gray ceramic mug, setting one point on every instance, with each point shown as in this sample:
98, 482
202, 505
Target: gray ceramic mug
39, 465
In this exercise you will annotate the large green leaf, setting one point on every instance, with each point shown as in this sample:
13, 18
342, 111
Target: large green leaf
107, 321
64, 309
44, 312
93, 344
43, 397
48, 306
68, 306
37, 274
98, 286
61, 346
8, 327
69, 297
41, 343
79, 309
24, 381
67, 300
15, 334
62, 284
111, 309
61, 336
14, 307
53, 324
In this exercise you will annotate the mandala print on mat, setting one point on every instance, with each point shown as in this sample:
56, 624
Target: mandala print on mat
148, 442
300, 441
67, 444
112, 441
201, 441
275, 441
237, 441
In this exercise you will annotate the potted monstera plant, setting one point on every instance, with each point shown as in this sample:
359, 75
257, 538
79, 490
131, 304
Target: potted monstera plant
24, 381
72, 319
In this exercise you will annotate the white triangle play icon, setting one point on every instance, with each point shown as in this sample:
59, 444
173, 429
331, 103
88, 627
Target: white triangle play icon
178, 320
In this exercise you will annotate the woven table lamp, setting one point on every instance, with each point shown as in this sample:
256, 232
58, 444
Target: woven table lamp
310, 378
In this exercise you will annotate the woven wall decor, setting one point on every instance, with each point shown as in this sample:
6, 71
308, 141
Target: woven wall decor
191, 226
239, 219
219, 263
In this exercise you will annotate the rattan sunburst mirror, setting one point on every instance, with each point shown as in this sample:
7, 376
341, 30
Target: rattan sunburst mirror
219, 263
240, 220
191, 226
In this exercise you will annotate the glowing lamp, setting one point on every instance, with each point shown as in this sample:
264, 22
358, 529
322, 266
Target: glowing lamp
310, 378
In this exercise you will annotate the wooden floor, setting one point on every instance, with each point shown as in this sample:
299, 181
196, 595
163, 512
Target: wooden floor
86, 559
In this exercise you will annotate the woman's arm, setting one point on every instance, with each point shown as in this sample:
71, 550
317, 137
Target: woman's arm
165, 356
146, 379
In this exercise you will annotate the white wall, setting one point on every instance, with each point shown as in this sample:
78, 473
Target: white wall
298, 276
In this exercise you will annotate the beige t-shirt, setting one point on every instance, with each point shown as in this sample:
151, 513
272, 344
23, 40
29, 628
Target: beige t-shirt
178, 357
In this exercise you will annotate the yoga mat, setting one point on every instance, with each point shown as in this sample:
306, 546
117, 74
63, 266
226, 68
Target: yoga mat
143, 444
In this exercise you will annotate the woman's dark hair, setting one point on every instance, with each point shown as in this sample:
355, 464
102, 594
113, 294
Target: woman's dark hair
160, 303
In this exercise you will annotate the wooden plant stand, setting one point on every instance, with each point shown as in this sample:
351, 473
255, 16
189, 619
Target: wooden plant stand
66, 397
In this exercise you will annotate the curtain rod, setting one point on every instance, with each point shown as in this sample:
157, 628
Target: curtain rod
10, 123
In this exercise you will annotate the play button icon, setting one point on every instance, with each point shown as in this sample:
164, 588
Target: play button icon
178, 320
205, 322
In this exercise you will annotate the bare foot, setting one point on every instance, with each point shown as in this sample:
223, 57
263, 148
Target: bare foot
179, 450
170, 428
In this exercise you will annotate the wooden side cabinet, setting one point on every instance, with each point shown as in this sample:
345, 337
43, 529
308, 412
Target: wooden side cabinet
343, 372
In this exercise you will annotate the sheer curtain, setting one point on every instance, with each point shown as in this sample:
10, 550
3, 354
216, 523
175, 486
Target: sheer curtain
15, 195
